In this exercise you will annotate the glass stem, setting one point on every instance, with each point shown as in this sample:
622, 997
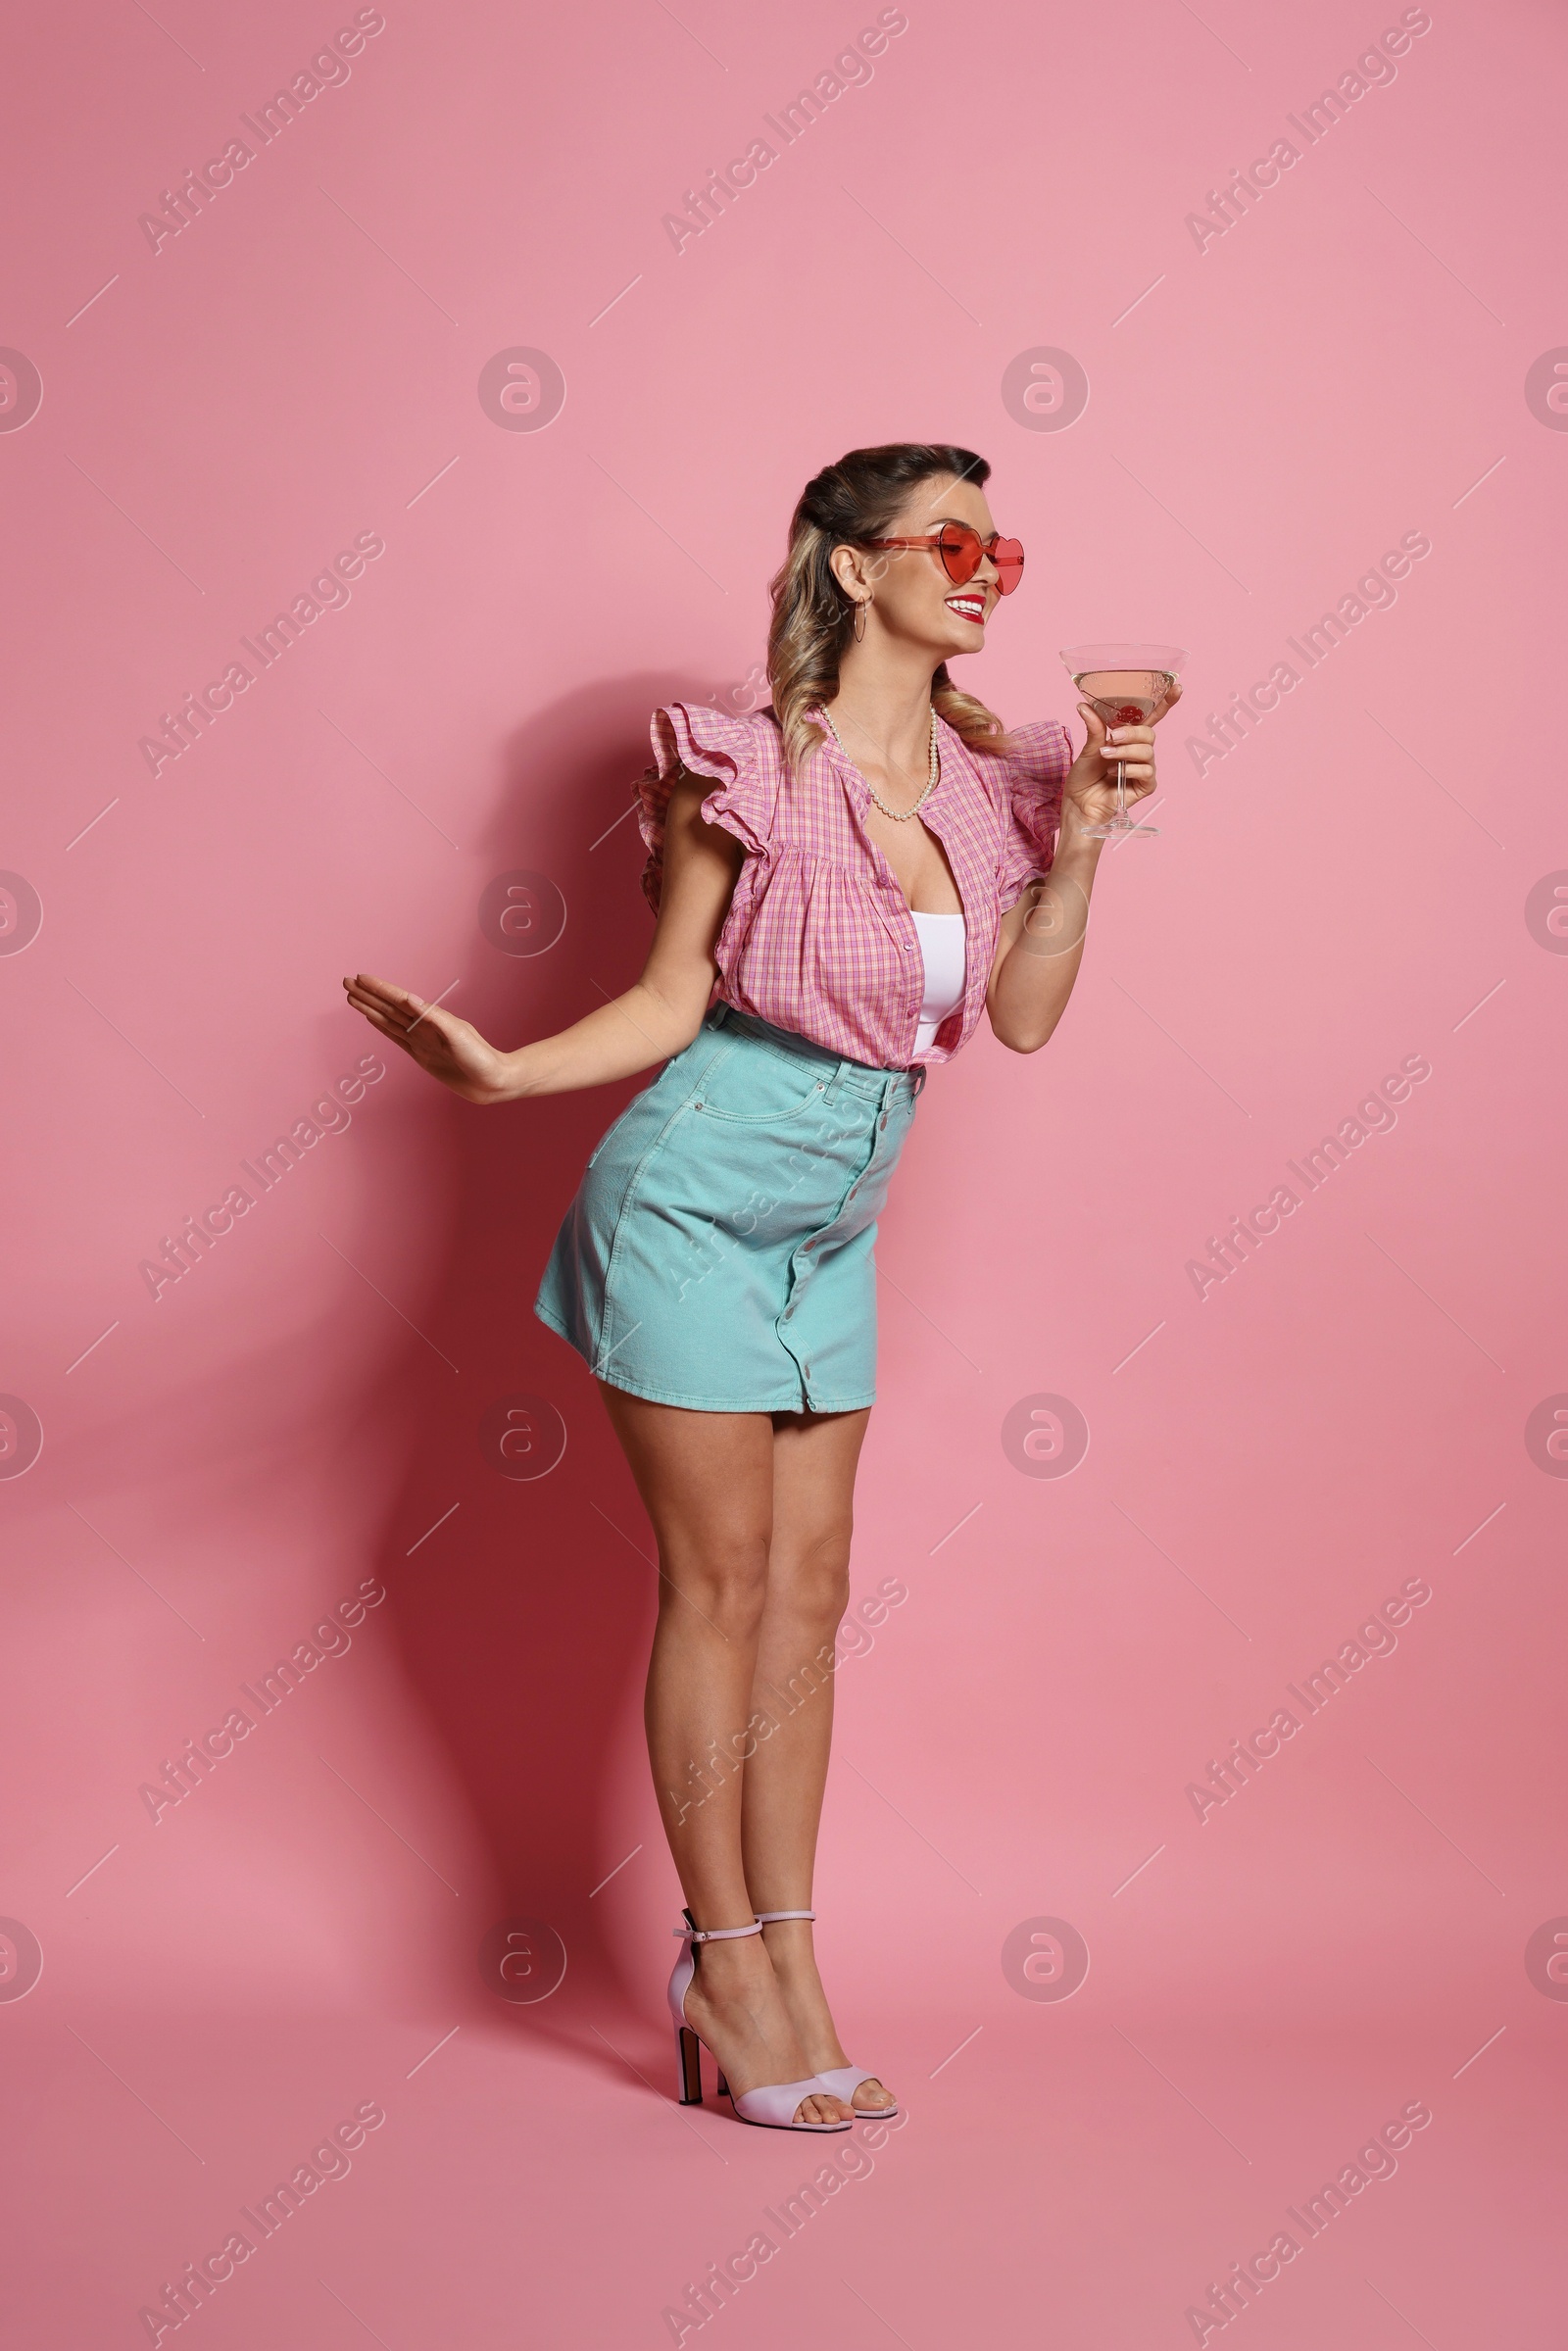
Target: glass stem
1121, 791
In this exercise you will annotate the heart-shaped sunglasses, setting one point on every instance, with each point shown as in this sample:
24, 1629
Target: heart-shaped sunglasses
959, 550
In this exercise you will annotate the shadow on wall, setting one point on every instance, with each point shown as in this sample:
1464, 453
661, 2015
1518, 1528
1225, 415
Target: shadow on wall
524, 1619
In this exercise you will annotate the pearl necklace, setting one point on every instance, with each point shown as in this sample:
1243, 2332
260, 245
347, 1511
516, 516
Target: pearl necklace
899, 815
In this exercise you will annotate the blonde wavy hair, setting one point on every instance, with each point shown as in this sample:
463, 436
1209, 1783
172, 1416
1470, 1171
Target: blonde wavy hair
859, 498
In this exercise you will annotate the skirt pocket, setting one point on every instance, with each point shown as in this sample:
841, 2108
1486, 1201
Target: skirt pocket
751, 1083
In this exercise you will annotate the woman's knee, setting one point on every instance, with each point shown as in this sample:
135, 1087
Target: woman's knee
723, 1573
809, 1572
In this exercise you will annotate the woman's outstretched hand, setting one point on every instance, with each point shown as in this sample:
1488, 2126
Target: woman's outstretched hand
450, 1049
1091, 784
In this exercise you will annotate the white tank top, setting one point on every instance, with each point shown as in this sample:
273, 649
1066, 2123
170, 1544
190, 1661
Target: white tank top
941, 945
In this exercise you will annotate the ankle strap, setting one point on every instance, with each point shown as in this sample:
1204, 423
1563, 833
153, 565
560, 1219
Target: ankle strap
716, 1935
765, 1918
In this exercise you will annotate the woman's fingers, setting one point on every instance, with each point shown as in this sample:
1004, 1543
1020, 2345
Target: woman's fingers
395, 1010
374, 1007
383, 992
366, 982
441, 1043
1133, 749
425, 1032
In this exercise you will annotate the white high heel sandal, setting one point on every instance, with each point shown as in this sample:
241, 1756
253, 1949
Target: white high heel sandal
841, 2080
771, 2106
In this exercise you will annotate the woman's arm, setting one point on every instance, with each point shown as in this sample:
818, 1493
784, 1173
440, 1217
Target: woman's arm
658, 1016
1041, 942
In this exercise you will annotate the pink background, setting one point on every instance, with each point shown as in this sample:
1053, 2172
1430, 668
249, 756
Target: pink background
293, 1417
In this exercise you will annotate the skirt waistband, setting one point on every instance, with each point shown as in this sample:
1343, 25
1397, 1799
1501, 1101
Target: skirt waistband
848, 1076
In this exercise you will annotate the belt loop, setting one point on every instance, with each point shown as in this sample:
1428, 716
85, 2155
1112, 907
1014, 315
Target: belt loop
828, 1088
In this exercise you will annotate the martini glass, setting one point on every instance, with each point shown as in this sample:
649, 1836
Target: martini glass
1126, 684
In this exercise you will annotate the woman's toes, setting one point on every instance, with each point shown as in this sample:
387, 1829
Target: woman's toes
871, 2099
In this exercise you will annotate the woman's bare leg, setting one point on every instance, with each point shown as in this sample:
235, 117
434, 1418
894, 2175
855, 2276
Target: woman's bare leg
814, 1460
706, 1484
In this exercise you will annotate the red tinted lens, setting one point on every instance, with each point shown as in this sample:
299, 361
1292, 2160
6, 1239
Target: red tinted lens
961, 550
1008, 556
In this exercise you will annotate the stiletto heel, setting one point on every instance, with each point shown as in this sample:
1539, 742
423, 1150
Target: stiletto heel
841, 2080
689, 2067
770, 2107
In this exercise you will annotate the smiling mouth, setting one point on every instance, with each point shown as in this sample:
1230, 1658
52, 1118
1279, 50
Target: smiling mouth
968, 607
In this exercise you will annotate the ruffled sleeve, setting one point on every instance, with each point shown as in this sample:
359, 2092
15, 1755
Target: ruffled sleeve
1035, 766
737, 753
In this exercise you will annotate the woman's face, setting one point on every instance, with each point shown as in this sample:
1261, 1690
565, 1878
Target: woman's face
913, 601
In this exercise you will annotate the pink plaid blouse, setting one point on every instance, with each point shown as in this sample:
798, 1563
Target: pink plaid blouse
819, 938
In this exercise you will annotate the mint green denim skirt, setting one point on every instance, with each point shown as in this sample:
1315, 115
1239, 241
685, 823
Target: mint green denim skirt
719, 1251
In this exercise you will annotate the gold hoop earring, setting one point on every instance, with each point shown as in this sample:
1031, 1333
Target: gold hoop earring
861, 611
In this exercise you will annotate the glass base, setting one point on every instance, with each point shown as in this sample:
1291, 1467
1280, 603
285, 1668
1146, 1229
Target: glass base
1113, 828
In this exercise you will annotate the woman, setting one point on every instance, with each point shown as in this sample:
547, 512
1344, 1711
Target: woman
864, 869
